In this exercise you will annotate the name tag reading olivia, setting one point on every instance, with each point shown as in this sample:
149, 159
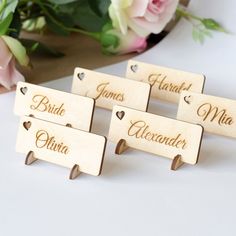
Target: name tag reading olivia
166, 83
156, 134
217, 115
61, 145
53, 105
109, 90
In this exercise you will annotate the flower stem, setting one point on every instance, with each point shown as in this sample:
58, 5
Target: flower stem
187, 15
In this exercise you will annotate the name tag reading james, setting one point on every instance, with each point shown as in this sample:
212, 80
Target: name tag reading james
109, 90
156, 134
166, 83
217, 115
53, 105
61, 145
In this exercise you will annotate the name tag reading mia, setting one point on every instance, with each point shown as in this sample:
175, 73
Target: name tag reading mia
61, 145
167, 84
109, 90
53, 105
217, 115
156, 134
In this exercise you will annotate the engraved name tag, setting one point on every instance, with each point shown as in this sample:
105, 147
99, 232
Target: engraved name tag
156, 134
61, 145
166, 83
217, 115
109, 90
53, 105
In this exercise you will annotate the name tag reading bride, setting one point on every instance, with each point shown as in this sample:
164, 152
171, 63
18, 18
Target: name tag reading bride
217, 115
61, 145
167, 84
109, 90
156, 134
53, 105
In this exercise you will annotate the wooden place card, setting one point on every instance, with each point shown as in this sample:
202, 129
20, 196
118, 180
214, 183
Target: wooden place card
167, 83
217, 115
53, 105
61, 145
155, 134
109, 90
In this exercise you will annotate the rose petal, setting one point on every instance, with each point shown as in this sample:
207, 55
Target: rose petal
5, 55
10, 76
138, 8
17, 49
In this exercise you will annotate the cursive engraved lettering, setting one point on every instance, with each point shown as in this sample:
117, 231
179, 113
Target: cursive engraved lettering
44, 140
104, 92
41, 103
139, 129
160, 81
213, 113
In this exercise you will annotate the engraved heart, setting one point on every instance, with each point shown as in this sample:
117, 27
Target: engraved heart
27, 125
120, 114
23, 90
188, 99
134, 68
81, 75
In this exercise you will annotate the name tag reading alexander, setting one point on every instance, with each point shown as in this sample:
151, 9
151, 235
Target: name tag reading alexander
167, 83
61, 145
53, 105
156, 134
109, 90
217, 115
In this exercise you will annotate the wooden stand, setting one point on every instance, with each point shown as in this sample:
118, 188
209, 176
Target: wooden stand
176, 163
74, 173
122, 147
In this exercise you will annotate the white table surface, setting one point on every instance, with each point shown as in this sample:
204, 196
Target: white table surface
136, 194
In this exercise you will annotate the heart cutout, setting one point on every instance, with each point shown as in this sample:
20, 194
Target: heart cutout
188, 99
134, 68
81, 76
27, 125
23, 90
120, 114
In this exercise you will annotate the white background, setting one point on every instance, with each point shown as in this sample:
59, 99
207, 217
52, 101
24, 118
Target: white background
136, 194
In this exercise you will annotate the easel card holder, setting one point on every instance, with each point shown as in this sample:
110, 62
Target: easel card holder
53, 105
109, 90
217, 115
155, 134
167, 83
61, 145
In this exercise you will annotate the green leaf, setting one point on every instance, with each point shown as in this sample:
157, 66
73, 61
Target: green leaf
212, 25
87, 19
4, 25
9, 7
100, 7
61, 2
17, 49
35, 47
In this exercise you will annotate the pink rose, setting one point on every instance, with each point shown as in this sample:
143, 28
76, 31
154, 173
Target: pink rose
10, 49
142, 16
128, 43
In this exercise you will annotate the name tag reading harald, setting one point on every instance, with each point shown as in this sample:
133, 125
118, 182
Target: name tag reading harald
156, 134
217, 115
109, 90
61, 145
167, 84
53, 105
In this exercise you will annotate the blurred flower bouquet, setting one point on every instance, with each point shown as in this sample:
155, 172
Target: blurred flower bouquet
121, 26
